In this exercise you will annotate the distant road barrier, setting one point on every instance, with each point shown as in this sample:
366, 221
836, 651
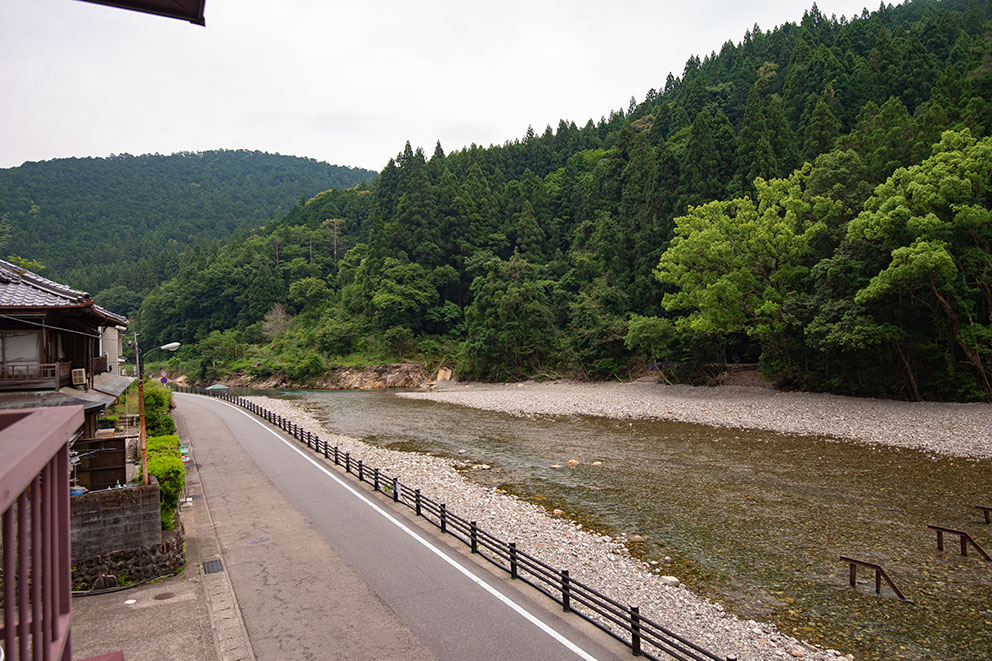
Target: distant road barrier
636, 631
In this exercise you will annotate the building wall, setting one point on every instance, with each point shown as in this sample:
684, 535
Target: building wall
111, 346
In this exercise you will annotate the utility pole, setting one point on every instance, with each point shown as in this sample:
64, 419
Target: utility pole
142, 434
142, 439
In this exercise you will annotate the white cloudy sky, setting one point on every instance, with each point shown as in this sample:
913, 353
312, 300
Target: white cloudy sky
341, 81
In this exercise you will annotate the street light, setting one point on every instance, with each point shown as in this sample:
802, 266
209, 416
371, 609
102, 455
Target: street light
142, 436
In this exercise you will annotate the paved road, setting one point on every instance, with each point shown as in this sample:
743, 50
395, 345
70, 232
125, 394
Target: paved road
325, 569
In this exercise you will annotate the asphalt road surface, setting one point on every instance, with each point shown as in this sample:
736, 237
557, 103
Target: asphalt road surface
324, 568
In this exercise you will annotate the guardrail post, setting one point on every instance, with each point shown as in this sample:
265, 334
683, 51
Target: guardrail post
513, 559
376, 479
361, 471
416, 501
444, 520
325, 447
347, 462
566, 596
396, 491
336, 462
473, 535
635, 630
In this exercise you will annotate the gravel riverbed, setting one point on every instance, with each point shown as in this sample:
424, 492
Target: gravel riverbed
604, 562
963, 430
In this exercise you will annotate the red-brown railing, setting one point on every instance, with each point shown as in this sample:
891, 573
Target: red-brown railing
34, 500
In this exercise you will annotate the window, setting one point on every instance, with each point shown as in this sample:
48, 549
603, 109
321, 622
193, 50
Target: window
23, 347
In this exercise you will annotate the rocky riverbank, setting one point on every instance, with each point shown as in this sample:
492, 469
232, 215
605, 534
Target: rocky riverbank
368, 377
963, 430
600, 561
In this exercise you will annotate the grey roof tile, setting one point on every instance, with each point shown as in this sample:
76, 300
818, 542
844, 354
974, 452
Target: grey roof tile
20, 288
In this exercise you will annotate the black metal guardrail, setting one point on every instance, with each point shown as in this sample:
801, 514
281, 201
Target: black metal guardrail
573, 596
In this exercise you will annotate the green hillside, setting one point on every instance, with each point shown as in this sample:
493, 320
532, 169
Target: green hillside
794, 199
120, 223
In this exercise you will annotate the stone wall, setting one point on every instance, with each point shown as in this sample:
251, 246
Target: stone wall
117, 538
107, 570
115, 519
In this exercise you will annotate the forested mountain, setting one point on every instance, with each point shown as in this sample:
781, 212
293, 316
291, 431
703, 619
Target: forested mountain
816, 197
116, 226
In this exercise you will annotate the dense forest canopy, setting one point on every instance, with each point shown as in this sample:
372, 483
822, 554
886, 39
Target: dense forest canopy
815, 197
116, 226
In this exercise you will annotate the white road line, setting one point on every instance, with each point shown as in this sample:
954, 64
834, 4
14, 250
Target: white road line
399, 524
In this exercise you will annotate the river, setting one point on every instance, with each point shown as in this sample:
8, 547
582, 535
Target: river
753, 519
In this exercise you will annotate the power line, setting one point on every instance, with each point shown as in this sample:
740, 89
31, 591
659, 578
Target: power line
43, 325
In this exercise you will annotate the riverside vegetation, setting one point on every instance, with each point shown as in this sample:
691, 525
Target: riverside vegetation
816, 197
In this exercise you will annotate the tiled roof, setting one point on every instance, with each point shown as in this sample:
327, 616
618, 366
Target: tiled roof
20, 288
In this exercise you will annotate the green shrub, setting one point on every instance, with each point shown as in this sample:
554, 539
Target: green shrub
301, 369
107, 421
336, 336
171, 476
159, 424
158, 398
167, 445
398, 341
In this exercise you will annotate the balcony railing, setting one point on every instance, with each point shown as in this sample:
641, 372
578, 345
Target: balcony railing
25, 375
34, 500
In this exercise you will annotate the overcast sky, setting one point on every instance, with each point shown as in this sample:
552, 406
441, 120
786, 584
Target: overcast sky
341, 81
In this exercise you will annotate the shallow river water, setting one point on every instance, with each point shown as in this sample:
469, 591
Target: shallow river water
756, 520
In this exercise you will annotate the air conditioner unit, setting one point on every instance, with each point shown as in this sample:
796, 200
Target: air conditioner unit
79, 377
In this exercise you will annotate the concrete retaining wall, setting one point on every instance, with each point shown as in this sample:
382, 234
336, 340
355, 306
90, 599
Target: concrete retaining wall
114, 520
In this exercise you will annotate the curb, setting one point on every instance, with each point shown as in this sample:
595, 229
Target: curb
231, 638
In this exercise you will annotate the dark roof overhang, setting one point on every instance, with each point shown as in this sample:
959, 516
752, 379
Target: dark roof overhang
187, 10
89, 309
